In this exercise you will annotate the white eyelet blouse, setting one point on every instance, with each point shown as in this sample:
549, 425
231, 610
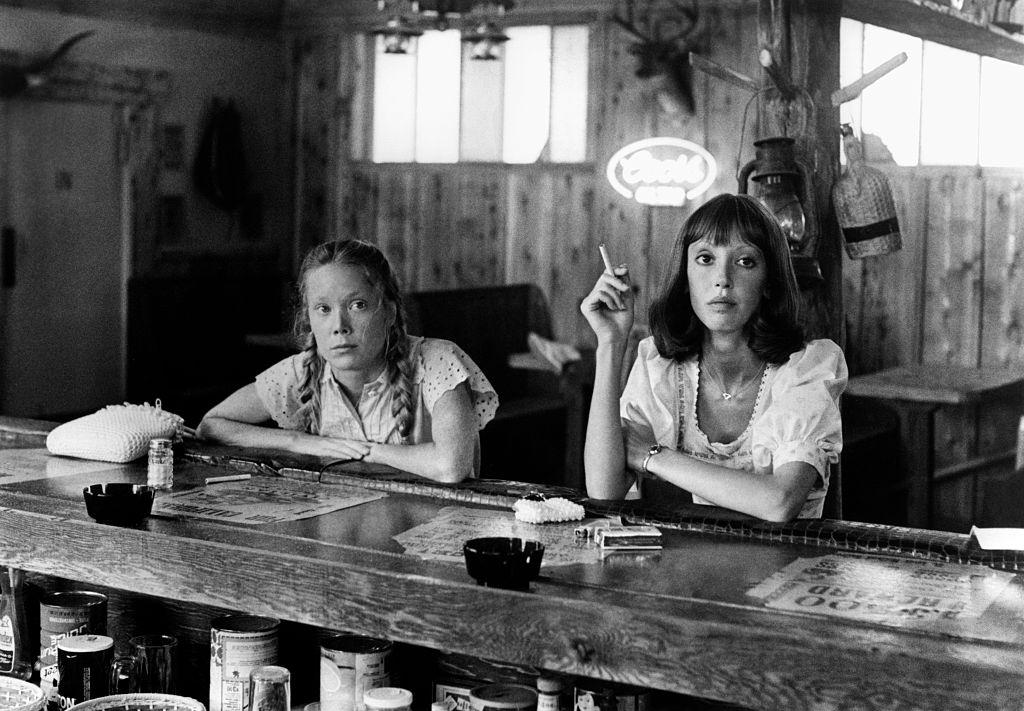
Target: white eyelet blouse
795, 418
439, 367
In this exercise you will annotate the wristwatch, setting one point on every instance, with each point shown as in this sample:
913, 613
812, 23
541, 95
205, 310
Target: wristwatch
650, 453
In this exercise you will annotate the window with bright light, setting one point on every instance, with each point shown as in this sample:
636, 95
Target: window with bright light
437, 105
944, 106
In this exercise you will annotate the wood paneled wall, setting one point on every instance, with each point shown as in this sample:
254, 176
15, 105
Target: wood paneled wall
953, 294
475, 224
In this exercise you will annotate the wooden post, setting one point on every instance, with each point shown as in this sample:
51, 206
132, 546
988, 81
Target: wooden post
802, 39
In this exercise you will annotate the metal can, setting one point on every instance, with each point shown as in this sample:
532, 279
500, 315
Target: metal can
66, 614
84, 663
239, 644
349, 665
503, 697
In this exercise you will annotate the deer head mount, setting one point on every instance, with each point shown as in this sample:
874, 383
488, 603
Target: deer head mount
16, 79
665, 36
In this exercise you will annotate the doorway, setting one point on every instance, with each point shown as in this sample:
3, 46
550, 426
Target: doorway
62, 303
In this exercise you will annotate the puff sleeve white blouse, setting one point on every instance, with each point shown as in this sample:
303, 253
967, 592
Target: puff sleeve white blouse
439, 366
795, 417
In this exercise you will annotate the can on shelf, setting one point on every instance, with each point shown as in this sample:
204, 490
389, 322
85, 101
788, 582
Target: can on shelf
65, 614
238, 644
349, 665
84, 663
503, 697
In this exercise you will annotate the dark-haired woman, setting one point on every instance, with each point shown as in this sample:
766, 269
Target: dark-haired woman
725, 399
362, 388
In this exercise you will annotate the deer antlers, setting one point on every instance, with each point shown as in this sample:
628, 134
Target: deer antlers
660, 52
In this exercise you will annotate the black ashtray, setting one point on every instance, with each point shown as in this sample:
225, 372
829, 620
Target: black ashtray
118, 502
509, 563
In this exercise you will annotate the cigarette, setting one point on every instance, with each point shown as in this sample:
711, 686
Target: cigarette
228, 477
607, 260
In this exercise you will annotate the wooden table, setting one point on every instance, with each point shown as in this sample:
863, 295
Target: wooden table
680, 620
915, 392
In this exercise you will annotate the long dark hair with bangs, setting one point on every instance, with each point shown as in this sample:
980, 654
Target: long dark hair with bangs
773, 332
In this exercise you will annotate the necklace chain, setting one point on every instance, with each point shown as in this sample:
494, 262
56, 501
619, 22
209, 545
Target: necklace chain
743, 387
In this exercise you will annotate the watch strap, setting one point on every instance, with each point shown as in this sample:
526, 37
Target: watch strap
650, 453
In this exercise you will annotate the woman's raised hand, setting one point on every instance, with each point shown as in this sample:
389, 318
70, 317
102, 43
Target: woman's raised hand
608, 307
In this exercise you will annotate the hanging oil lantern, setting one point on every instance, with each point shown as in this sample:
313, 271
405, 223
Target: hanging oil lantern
782, 184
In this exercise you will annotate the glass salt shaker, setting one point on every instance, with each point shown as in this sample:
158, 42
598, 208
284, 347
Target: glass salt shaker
161, 464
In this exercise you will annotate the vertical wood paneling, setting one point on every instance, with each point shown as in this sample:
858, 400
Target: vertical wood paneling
351, 116
364, 189
1002, 325
888, 305
315, 68
396, 225
732, 42
576, 262
530, 244
953, 299
953, 270
480, 227
438, 265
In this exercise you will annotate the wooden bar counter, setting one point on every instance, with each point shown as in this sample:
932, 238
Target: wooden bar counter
680, 620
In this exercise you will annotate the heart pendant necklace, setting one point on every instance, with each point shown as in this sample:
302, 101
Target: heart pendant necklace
740, 389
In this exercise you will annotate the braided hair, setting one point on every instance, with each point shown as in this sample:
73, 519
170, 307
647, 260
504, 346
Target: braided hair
398, 364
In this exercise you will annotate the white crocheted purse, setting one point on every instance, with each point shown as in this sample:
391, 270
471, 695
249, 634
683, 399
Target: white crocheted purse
117, 433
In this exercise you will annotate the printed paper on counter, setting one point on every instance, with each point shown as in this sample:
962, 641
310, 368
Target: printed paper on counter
887, 590
262, 500
442, 537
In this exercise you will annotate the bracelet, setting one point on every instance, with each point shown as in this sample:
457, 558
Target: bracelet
650, 453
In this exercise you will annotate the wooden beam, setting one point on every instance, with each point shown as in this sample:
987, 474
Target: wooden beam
938, 22
237, 17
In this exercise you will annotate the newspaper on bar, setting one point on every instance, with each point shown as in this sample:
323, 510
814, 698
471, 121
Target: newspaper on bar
889, 590
262, 499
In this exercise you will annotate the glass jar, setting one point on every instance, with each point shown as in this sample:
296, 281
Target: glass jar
270, 689
387, 698
161, 464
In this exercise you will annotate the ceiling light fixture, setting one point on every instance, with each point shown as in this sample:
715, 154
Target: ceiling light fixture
405, 20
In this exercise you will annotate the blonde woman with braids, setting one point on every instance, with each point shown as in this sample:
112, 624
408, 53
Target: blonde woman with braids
362, 388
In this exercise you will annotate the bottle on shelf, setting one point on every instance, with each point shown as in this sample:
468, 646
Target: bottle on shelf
551, 694
15, 657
